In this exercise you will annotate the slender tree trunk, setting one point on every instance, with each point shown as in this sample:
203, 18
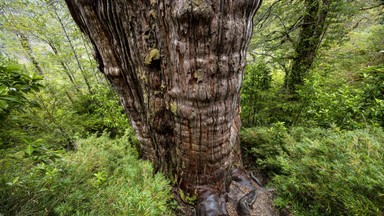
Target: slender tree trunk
178, 67
25, 44
69, 97
311, 34
66, 69
73, 50
27, 47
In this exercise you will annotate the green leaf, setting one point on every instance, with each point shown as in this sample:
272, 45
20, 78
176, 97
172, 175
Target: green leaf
3, 90
3, 105
14, 181
13, 99
29, 150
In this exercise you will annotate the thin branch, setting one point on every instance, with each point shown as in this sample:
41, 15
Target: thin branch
275, 59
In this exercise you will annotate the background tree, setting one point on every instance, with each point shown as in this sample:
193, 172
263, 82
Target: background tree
292, 40
312, 29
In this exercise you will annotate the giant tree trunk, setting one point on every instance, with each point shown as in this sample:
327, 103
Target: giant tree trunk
178, 67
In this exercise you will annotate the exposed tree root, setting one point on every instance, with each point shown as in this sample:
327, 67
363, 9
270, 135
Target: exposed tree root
243, 196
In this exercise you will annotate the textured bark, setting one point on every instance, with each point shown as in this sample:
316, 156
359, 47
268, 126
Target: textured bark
178, 67
311, 34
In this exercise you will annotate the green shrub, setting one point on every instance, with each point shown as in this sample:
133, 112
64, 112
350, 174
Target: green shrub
103, 177
350, 100
265, 144
324, 171
14, 85
263, 103
99, 112
255, 93
325, 104
373, 93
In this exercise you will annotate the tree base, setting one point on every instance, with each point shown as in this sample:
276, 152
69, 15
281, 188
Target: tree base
244, 196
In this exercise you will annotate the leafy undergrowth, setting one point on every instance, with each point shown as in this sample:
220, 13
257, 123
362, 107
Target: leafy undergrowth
322, 171
103, 177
